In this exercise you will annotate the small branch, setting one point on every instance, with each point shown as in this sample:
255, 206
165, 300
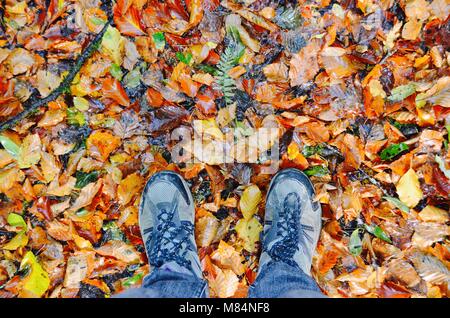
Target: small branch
373, 181
32, 106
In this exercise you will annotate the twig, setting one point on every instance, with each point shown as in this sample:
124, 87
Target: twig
32, 106
373, 181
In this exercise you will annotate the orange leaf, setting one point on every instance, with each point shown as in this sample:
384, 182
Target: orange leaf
112, 89
130, 22
188, 86
100, 144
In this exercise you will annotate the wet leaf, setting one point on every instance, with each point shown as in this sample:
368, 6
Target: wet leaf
397, 203
19, 240
10, 146
249, 231
408, 189
100, 144
30, 151
128, 187
119, 250
401, 92
113, 45
249, 201
36, 283
75, 117
393, 150
160, 40
318, 171
84, 178
355, 243
16, 220
378, 232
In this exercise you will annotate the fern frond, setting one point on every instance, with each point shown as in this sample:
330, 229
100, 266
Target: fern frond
229, 59
288, 18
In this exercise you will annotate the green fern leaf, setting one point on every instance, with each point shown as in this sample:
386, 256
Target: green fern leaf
229, 59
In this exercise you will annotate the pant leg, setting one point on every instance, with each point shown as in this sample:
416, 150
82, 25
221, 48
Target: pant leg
165, 282
279, 280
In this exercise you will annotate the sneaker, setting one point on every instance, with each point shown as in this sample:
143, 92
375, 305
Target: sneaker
166, 220
292, 221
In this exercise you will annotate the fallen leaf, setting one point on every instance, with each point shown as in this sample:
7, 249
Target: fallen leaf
408, 189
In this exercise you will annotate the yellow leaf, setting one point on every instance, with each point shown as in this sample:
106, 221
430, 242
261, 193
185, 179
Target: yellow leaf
408, 189
208, 127
36, 282
80, 103
9, 177
82, 243
433, 214
113, 45
128, 187
249, 201
376, 89
52, 117
30, 151
20, 240
411, 29
248, 231
49, 167
5, 158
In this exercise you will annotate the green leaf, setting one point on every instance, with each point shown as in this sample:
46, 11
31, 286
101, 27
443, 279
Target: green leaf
132, 280
113, 232
355, 243
80, 103
207, 69
229, 59
116, 71
97, 21
401, 92
318, 171
393, 150
81, 213
309, 151
441, 164
133, 78
75, 117
399, 204
448, 132
16, 220
160, 40
186, 59
84, 178
10, 146
243, 129
378, 232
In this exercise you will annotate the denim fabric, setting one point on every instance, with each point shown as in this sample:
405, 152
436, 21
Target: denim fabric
274, 280
169, 281
280, 280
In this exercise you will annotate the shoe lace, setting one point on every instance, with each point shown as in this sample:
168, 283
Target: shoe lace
289, 230
171, 243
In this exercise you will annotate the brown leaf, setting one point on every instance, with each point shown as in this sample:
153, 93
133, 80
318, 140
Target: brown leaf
119, 250
304, 65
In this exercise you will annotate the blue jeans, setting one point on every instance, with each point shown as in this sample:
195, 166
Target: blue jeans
274, 280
